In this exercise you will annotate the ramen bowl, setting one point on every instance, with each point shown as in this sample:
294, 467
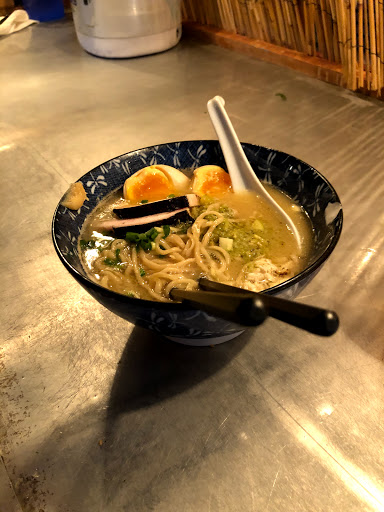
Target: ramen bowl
299, 180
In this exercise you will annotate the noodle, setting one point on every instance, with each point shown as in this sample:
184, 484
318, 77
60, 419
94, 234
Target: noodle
179, 258
159, 277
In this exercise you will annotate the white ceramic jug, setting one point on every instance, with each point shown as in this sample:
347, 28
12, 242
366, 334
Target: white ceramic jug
127, 28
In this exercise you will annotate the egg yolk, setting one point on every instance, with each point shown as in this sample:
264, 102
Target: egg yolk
211, 180
151, 185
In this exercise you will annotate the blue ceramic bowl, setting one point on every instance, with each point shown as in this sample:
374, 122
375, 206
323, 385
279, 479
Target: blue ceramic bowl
299, 180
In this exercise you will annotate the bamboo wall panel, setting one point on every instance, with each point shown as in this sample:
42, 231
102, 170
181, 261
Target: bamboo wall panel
344, 34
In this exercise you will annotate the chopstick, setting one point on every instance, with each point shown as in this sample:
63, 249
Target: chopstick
316, 320
4, 19
239, 308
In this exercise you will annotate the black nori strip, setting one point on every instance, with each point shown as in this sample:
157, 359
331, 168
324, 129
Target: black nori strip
164, 205
182, 216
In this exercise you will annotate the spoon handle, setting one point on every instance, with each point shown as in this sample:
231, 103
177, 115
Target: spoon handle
316, 320
242, 175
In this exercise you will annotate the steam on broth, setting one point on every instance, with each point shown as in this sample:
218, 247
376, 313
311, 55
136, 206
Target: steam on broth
233, 238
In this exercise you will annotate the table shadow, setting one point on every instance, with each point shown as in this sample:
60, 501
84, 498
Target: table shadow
153, 369
90, 457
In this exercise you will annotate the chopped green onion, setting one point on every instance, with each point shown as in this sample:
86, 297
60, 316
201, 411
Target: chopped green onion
143, 240
143, 201
142, 272
114, 262
152, 233
87, 244
170, 196
146, 245
110, 262
132, 237
182, 227
166, 230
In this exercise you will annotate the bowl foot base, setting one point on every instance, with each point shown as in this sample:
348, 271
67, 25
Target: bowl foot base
204, 342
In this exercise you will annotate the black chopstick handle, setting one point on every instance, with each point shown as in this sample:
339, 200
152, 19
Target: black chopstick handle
244, 310
316, 320
319, 321
4, 19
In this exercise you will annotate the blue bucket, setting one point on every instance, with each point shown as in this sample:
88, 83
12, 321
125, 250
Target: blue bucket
44, 10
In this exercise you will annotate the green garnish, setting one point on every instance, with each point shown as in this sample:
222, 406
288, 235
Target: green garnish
143, 201
282, 96
143, 240
152, 233
249, 241
183, 227
111, 262
87, 244
166, 230
170, 196
131, 237
142, 272
207, 200
94, 244
114, 262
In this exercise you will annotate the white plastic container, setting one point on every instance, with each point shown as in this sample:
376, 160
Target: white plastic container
127, 28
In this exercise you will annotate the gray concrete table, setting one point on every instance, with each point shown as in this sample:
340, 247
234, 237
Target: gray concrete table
98, 415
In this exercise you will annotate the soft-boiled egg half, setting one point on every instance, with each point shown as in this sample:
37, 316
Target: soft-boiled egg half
154, 182
211, 180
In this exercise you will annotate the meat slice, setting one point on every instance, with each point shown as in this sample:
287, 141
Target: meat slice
141, 224
171, 204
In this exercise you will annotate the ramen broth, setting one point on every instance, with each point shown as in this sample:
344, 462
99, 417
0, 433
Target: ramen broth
238, 239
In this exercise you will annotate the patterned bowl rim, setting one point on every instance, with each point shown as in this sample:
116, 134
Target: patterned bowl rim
88, 283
